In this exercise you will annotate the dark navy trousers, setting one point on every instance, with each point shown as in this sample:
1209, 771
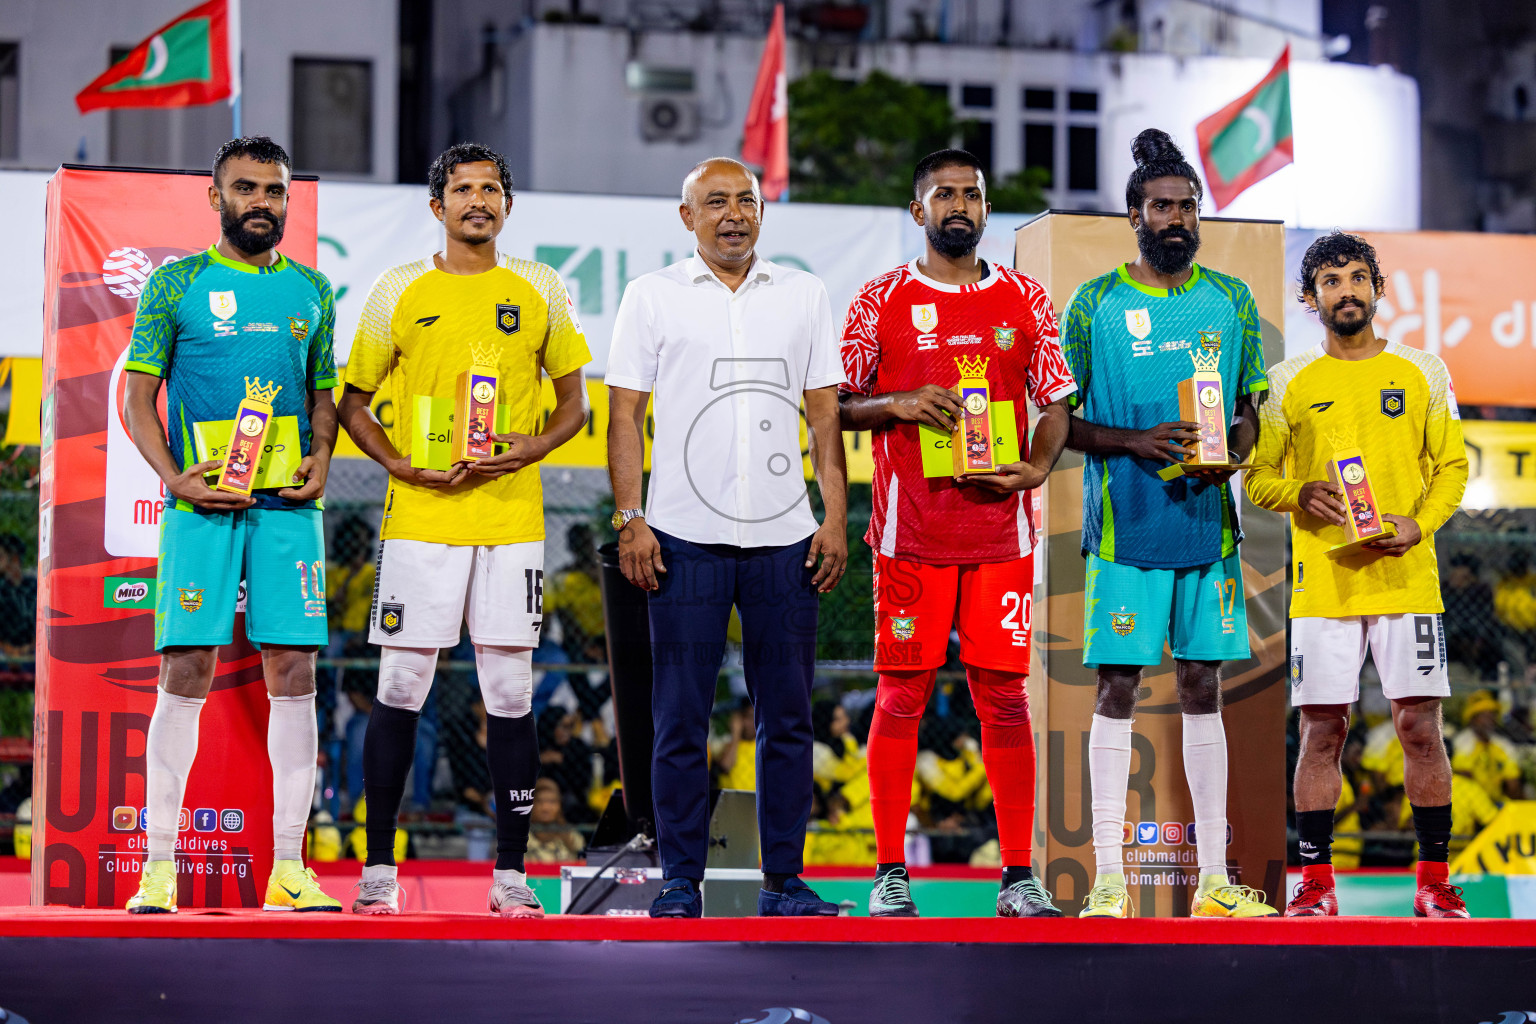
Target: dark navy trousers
771, 590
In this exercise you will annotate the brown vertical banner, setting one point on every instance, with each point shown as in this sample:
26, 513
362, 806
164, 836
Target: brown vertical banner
1061, 251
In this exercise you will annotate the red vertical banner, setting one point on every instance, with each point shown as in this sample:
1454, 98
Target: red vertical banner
100, 507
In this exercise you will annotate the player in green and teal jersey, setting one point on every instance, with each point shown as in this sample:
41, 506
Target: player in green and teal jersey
205, 324
1162, 554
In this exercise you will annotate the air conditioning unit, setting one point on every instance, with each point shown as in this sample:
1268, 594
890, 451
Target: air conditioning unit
669, 117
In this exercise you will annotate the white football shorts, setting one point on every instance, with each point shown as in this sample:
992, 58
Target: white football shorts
424, 592
1327, 655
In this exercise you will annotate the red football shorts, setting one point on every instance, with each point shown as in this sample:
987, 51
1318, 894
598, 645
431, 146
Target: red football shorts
916, 606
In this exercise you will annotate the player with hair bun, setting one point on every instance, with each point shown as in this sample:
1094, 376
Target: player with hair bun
1162, 554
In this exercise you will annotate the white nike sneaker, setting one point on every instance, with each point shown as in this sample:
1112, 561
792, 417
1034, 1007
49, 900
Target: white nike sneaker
378, 892
509, 899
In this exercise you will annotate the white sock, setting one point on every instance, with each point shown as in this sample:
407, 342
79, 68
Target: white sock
1109, 771
169, 751
292, 745
376, 872
508, 876
1205, 768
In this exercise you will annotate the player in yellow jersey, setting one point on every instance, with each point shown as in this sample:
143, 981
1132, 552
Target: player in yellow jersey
1396, 406
465, 540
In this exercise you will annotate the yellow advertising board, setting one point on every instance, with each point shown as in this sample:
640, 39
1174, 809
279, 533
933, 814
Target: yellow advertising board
1505, 846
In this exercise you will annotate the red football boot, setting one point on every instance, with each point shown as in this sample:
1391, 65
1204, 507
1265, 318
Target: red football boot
1439, 899
1314, 897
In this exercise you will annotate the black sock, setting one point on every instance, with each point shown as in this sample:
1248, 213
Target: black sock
1433, 827
389, 746
1315, 830
774, 882
1015, 874
512, 751
881, 870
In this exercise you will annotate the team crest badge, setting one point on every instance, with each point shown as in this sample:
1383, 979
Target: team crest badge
221, 304
1004, 336
508, 318
391, 618
191, 600
1211, 341
1393, 402
298, 328
1122, 622
925, 318
1139, 323
903, 627
1295, 670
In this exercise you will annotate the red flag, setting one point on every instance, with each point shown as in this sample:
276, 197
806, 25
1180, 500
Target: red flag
190, 60
765, 136
1250, 138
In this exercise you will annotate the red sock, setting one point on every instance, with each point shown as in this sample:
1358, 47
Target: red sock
1430, 871
892, 758
1008, 751
1009, 754
1318, 872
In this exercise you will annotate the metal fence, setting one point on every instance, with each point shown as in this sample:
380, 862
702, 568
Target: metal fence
1487, 562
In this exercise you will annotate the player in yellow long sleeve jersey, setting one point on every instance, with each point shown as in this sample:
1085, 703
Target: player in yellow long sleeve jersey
1396, 405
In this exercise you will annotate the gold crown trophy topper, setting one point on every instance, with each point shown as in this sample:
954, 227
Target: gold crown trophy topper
1362, 516
972, 441
474, 407
248, 440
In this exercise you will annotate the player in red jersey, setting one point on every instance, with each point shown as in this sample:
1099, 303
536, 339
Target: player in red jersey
952, 552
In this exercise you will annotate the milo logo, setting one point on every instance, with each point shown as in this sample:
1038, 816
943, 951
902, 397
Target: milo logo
126, 592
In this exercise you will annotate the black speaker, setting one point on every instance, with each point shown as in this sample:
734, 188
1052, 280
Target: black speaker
626, 615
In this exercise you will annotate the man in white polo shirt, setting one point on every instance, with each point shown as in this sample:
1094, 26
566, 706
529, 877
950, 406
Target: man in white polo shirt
728, 343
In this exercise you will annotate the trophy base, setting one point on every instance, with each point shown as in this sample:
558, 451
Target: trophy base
1355, 547
1178, 469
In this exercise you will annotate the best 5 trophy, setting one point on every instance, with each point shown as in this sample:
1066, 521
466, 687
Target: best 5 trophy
1201, 402
474, 409
252, 421
972, 445
1362, 518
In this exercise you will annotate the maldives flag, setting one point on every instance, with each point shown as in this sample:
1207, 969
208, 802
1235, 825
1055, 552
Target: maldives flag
1250, 138
765, 136
191, 60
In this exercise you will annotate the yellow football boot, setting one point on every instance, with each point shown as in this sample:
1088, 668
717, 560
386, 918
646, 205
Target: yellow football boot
1108, 898
293, 887
1217, 897
157, 889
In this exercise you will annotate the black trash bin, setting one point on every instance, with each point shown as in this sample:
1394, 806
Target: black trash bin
626, 614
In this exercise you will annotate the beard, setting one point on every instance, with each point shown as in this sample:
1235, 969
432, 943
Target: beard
1349, 328
1165, 255
953, 242
237, 230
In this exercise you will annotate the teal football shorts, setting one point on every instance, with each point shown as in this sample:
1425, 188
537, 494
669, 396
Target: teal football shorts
1129, 612
204, 557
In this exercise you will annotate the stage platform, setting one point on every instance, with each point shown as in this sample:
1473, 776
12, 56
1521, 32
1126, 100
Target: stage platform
59, 965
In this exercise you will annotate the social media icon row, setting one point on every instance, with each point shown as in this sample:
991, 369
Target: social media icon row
1169, 833
204, 819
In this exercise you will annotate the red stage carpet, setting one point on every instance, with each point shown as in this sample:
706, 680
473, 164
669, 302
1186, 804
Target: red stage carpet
59, 965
